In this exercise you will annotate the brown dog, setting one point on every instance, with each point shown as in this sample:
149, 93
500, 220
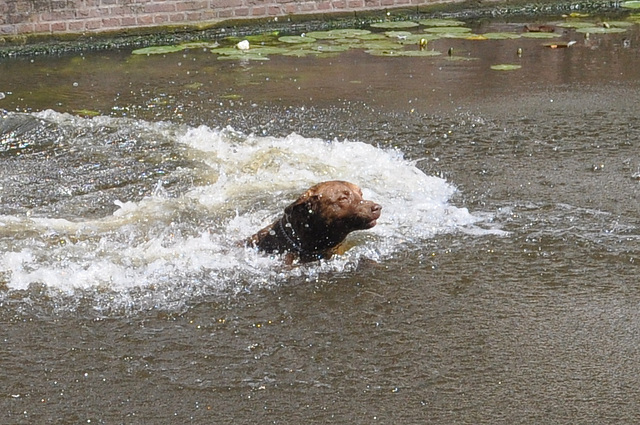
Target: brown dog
313, 226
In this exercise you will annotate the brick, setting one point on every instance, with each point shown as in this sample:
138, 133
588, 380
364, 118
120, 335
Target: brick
111, 23
42, 27
355, 4
226, 13
179, 17
159, 7
76, 26
7, 30
191, 5
128, 21
258, 11
241, 11
144, 20
93, 24
25, 28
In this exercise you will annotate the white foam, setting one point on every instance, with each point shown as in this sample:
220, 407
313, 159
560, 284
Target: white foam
154, 245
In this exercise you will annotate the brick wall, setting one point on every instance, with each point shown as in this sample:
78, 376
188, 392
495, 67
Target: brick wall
21, 17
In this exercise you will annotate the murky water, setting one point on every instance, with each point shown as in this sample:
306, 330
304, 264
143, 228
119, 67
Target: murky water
500, 285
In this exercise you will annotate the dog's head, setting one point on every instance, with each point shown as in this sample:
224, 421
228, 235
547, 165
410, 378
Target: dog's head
332, 210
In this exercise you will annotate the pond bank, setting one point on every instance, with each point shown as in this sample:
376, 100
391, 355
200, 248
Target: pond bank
64, 41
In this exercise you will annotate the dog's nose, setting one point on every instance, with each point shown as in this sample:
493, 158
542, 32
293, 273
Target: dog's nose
376, 208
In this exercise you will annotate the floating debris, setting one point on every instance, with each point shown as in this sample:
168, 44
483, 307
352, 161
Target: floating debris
243, 45
560, 44
505, 67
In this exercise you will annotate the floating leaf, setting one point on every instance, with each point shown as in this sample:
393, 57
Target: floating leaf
501, 35
398, 34
620, 24
419, 53
86, 112
268, 50
476, 37
601, 30
157, 50
416, 38
448, 30
323, 35
575, 24
381, 45
200, 45
395, 25
440, 23
634, 4
539, 35
505, 67
296, 39
324, 48
349, 33
368, 37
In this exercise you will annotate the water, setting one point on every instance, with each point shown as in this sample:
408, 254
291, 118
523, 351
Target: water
499, 286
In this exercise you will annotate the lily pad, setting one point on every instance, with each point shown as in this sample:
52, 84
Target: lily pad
620, 24
575, 24
296, 39
200, 45
505, 67
398, 34
330, 48
349, 33
416, 38
501, 35
539, 35
395, 25
448, 30
601, 30
381, 45
323, 35
158, 50
634, 4
419, 53
476, 37
440, 23
372, 36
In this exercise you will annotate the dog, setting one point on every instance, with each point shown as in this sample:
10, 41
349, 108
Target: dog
313, 227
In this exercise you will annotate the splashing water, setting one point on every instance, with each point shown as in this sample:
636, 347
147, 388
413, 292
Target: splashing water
185, 245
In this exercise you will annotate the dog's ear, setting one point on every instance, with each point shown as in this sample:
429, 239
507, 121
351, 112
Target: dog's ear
306, 204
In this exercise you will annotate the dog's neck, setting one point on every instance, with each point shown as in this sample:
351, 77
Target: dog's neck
293, 233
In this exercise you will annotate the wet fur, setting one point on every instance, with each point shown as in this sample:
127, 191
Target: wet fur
314, 226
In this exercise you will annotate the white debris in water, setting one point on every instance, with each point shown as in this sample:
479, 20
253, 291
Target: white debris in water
243, 45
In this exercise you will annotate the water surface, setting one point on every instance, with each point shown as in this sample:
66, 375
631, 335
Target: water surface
500, 285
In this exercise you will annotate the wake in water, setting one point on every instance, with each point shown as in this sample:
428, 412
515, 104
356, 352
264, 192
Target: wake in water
181, 246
